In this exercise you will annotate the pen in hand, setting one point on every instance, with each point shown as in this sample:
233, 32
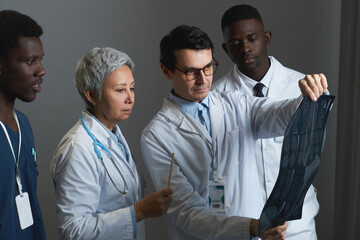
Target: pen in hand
172, 161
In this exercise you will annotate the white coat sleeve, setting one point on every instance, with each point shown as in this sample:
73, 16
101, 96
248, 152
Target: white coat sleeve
78, 192
270, 117
188, 211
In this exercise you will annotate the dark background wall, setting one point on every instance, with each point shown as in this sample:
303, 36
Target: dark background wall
305, 37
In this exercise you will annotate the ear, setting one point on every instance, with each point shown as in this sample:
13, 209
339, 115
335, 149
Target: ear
225, 48
90, 96
267, 38
165, 71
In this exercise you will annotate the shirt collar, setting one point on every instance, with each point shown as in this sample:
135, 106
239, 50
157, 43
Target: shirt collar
189, 107
250, 83
114, 136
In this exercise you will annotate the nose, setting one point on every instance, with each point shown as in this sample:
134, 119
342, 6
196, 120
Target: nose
130, 97
40, 71
201, 78
246, 46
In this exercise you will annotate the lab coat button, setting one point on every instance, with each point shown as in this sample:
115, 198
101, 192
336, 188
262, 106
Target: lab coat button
228, 205
220, 177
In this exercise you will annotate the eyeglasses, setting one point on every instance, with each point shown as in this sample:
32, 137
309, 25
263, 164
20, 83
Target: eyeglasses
194, 73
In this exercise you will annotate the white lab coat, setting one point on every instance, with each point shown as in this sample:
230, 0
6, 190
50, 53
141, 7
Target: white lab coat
88, 205
236, 120
283, 85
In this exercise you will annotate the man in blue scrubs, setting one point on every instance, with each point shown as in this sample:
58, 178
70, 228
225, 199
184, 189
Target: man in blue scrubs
21, 75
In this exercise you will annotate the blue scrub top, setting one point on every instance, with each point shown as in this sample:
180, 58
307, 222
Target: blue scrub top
9, 221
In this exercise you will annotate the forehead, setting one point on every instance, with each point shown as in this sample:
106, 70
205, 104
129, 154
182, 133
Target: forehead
120, 76
27, 47
193, 58
242, 28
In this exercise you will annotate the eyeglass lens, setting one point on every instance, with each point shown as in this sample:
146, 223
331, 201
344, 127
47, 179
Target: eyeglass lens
208, 71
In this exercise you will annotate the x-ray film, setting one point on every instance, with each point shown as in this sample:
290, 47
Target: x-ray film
300, 159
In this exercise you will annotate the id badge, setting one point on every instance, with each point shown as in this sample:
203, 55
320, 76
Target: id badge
217, 196
24, 210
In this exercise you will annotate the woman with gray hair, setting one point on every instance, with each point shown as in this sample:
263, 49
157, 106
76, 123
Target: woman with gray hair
98, 188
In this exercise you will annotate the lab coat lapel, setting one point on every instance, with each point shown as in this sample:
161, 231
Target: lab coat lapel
96, 129
180, 120
278, 82
102, 136
131, 161
124, 143
115, 150
238, 84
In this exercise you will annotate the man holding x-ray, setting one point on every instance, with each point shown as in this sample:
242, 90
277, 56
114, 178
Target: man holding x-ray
257, 74
212, 136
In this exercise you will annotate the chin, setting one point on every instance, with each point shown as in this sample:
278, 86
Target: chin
202, 97
198, 99
123, 118
27, 99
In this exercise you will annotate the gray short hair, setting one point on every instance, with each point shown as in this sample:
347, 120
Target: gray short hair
95, 66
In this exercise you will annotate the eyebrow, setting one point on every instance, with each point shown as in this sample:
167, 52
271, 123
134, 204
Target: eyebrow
248, 35
33, 56
36, 55
252, 34
189, 68
124, 84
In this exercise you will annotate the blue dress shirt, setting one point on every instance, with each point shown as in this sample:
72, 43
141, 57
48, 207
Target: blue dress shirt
198, 111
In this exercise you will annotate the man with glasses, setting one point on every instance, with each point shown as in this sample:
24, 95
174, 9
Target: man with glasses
210, 134
246, 43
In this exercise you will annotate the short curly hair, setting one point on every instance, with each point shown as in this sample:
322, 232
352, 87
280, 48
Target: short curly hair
237, 13
14, 25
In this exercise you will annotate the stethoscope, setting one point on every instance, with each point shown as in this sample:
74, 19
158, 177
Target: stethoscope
99, 144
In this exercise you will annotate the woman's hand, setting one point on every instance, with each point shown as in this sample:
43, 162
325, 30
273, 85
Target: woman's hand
154, 204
